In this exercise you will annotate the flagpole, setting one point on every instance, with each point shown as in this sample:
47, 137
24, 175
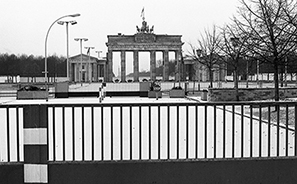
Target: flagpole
81, 57
142, 14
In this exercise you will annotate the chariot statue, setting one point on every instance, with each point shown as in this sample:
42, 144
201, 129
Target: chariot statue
144, 28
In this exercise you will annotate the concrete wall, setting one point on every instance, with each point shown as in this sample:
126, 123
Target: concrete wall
265, 170
11, 173
272, 170
250, 94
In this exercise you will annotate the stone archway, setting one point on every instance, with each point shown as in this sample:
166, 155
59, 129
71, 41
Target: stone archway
143, 41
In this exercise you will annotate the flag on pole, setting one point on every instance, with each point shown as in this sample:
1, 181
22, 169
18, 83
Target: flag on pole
88, 52
142, 13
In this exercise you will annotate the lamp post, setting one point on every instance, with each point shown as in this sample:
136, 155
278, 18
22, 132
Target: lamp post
80, 40
99, 52
72, 22
89, 54
100, 71
199, 53
45, 53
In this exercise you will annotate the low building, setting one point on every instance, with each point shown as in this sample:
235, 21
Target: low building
194, 70
84, 68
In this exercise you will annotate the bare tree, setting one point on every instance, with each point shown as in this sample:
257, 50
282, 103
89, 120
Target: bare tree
270, 26
205, 53
232, 50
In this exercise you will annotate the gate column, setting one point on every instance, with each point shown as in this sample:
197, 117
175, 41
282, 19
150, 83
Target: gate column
109, 66
166, 65
178, 69
153, 65
123, 66
136, 65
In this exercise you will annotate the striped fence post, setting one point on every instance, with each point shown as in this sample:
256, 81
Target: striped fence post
35, 144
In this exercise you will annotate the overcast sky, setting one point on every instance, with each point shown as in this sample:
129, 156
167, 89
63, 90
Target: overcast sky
24, 23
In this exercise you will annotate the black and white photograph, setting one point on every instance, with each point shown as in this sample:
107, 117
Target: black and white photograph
148, 92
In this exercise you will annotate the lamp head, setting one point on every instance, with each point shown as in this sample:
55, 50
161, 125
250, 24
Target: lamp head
73, 22
199, 52
234, 41
60, 22
75, 15
83, 39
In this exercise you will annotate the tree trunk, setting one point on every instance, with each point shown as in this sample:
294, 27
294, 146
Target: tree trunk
210, 77
276, 87
282, 78
236, 84
194, 82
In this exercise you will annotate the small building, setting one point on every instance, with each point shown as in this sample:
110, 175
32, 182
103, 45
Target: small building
85, 68
194, 70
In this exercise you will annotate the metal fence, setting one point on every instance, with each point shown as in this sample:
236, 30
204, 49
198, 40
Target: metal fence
11, 133
153, 131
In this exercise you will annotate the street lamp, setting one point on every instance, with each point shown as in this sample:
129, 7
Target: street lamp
99, 52
234, 41
199, 54
72, 22
45, 53
89, 54
80, 40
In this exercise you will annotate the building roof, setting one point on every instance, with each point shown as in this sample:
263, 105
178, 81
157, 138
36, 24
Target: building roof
84, 56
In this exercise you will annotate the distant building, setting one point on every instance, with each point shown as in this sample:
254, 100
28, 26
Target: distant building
84, 68
194, 70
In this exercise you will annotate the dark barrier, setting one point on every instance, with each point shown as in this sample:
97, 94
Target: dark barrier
83, 94
127, 93
11, 173
96, 94
264, 170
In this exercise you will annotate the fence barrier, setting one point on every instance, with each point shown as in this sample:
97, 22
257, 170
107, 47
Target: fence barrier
156, 131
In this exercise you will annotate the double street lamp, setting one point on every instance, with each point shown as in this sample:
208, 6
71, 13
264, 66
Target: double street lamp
45, 54
81, 57
72, 22
99, 52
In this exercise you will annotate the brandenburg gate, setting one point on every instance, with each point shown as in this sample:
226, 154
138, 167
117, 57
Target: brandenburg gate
143, 41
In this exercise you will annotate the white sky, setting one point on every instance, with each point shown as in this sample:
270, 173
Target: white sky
24, 23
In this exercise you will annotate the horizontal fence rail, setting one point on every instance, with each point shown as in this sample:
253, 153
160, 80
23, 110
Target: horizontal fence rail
153, 131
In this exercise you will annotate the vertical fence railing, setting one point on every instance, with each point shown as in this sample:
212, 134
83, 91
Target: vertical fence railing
11, 133
172, 131
153, 131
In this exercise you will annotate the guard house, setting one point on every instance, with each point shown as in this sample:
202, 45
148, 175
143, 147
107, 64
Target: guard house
85, 68
143, 41
194, 70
